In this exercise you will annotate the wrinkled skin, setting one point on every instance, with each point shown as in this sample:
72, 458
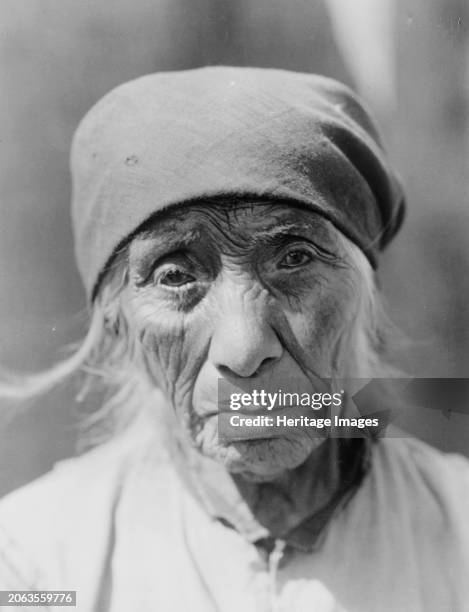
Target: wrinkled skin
257, 292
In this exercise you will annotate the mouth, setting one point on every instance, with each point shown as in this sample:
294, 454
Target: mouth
252, 425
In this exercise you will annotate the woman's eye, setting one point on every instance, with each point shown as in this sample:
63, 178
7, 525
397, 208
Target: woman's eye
296, 258
175, 277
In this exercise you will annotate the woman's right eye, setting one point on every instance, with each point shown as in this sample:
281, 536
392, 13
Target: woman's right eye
174, 276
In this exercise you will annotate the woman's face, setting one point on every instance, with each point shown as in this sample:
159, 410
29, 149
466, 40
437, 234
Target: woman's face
253, 296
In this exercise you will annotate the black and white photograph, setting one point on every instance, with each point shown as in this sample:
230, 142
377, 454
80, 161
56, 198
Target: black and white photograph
234, 305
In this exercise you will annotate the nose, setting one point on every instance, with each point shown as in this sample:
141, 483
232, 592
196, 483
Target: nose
243, 343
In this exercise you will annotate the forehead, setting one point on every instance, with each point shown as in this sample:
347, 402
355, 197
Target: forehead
226, 220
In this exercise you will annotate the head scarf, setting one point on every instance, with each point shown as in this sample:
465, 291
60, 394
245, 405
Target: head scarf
205, 134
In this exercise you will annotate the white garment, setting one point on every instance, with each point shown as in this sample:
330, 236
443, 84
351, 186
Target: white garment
119, 527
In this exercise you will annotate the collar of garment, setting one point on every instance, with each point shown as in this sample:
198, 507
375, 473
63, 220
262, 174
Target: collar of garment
320, 488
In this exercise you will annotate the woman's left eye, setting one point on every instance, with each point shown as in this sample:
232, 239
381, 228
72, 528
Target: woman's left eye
296, 258
176, 277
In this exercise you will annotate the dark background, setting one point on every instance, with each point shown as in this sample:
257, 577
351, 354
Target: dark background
409, 59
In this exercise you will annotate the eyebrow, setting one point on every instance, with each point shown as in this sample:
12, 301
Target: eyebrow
315, 230
290, 228
156, 244
173, 233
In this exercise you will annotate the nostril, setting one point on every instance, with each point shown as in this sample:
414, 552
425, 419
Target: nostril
228, 372
264, 365
225, 371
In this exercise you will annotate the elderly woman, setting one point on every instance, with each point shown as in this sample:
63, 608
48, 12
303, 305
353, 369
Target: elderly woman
228, 223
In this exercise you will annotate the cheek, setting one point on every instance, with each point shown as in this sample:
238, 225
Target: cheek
174, 347
320, 321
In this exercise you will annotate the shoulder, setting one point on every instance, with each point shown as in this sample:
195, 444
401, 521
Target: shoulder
406, 529
66, 516
423, 492
407, 463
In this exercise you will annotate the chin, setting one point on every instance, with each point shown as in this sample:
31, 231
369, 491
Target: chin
257, 459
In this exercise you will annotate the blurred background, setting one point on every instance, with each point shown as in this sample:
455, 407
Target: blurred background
409, 59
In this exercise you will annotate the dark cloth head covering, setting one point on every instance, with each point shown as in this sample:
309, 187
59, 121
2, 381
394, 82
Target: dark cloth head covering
175, 137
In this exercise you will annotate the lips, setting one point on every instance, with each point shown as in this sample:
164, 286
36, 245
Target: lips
264, 424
